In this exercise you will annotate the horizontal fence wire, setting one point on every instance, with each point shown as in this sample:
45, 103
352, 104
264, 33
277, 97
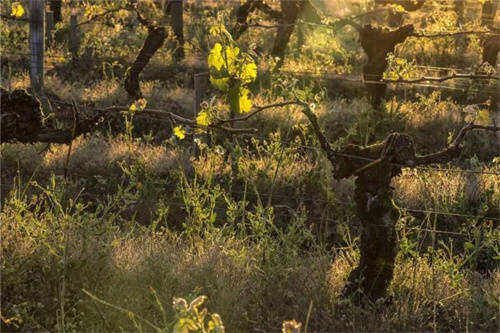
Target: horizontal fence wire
289, 145
327, 202
336, 77
292, 144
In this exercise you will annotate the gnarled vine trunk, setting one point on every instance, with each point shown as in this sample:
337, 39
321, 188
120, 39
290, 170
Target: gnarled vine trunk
154, 40
488, 12
375, 210
290, 13
176, 9
375, 166
21, 121
377, 43
242, 13
55, 7
491, 47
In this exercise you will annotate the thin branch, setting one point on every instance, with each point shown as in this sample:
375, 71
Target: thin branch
444, 78
13, 18
142, 20
268, 10
453, 150
323, 141
98, 16
167, 115
258, 109
451, 34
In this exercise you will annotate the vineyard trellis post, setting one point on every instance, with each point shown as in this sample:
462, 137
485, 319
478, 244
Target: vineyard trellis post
36, 40
200, 85
49, 26
74, 40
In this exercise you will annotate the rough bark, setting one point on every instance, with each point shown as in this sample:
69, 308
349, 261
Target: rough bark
491, 47
377, 43
488, 12
55, 6
375, 210
21, 121
242, 13
155, 39
459, 7
20, 115
290, 13
375, 166
176, 10
408, 5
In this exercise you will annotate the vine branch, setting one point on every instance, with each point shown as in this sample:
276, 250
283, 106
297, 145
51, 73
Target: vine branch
13, 18
444, 78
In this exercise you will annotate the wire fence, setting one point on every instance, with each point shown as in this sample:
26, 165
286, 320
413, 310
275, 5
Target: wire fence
293, 145
459, 83
246, 195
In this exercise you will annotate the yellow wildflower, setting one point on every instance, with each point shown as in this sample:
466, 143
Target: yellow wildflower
180, 132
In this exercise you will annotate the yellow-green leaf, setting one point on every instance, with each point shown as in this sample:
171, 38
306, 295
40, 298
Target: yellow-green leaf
179, 328
203, 119
221, 83
17, 10
248, 72
180, 132
397, 8
215, 59
244, 100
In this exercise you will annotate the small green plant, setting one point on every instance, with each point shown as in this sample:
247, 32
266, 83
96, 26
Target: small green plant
128, 117
190, 318
399, 68
231, 70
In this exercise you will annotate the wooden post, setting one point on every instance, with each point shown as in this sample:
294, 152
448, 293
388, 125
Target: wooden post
199, 91
36, 45
74, 40
49, 26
